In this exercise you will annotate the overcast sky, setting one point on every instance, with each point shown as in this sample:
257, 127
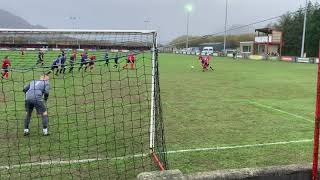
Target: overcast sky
166, 16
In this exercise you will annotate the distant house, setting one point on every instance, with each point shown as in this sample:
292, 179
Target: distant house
246, 48
267, 42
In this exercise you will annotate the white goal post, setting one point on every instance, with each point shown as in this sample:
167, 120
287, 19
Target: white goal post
131, 92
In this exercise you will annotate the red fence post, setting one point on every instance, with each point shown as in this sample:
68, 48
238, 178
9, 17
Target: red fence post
316, 127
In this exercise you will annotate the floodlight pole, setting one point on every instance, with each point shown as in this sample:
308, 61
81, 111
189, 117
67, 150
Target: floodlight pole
304, 29
225, 28
187, 42
146, 24
74, 24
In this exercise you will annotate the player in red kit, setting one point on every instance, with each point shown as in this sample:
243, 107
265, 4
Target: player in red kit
73, 59
22, 52
91, 62
74, 54
5, 67
131, 60
201, 59
206, 63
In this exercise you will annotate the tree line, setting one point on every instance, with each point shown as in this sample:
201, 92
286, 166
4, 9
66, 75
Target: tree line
291, 24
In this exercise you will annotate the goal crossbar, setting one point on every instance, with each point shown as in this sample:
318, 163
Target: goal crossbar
64, 31
102, 102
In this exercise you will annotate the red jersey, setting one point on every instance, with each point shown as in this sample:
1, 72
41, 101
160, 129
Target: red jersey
207, 59
5, 63
93, 57
131, 57
74, 55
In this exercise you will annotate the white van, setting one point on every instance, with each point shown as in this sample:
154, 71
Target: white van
207, 51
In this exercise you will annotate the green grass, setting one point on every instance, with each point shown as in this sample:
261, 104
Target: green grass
218, 109
100, 114
221, 108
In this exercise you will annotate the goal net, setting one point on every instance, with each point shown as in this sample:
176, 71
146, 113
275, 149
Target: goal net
103, 116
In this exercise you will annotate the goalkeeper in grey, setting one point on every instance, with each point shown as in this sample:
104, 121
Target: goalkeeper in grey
34, 92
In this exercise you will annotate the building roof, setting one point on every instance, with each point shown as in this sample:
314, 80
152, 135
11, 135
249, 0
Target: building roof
265, 30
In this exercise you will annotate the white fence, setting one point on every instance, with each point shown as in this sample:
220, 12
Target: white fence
311, 60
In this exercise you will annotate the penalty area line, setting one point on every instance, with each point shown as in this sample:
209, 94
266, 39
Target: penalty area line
240, 146
281, 111
78, 161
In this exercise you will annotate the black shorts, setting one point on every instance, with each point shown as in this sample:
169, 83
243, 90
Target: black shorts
128, 61
5, 70
83, 63
31, 104
54, 67
91, 63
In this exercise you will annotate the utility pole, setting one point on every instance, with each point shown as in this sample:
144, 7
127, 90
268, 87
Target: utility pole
225, 28
304, 29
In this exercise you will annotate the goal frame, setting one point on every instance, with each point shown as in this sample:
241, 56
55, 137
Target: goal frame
65, 31
154, 79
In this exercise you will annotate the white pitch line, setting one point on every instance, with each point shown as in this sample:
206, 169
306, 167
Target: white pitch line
77, 161
44, 163
239, 146
284, 112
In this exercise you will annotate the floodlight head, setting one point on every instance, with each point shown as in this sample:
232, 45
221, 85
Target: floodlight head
188, 7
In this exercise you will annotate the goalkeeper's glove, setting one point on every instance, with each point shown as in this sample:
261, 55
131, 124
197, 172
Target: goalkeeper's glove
46, 96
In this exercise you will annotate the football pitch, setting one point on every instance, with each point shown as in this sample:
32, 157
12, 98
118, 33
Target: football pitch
245, 113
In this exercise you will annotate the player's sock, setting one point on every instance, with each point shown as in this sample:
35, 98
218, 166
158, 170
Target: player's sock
45, 132
45, 122
26, 132
27, 121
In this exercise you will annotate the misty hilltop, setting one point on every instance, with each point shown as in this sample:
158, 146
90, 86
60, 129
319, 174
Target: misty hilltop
9, 20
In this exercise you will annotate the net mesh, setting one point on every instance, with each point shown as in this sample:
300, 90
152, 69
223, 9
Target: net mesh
98, 108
